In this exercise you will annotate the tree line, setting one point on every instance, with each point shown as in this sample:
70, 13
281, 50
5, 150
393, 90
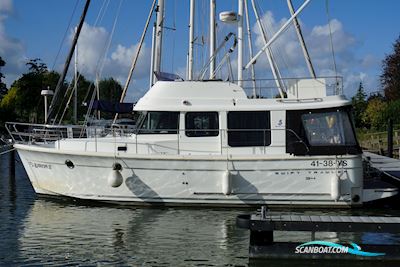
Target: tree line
374, 111
23, 101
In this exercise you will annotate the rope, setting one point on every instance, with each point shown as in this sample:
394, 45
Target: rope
276, 48
331, 40
65, 35
136, 56
102, 12
100, 62
7, 151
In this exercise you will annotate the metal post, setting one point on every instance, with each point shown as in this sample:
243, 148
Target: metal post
60, 82
268, 52
390, 138
301, 39
134, 61
159, 35
279, 32
76, 84
191, 40
45, 109
253, 74
153, 49
98, 95
212, 39
240, 43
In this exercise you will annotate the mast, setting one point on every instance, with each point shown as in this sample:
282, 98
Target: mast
67, 62
97, 88
301, 39
76, 85
268, 52
253, 74
240, 43
191, 40
135, 58
153, 40
276, 35
212, 39
159, 35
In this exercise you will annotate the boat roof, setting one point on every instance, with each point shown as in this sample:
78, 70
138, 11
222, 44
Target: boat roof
222, 96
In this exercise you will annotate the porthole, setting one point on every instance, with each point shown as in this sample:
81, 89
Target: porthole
69, 164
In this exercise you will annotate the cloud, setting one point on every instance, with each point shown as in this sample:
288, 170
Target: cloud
122, 58
94, 59
11, 49
92, 44
290, 60
6, 6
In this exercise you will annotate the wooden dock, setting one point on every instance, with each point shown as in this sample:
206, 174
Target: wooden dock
263, 245
385, 165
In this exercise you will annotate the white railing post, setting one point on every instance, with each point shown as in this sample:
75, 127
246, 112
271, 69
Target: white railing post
178, 132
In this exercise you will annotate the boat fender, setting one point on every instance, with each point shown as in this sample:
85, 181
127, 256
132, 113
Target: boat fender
115, 178
226, 183
335, 187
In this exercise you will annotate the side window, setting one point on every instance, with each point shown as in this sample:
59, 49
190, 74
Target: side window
201, 124
321, 132
328, 129
249, 128
162, 122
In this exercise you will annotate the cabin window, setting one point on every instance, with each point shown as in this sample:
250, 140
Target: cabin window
201, 124
159, 122
249, 128
330, 128
321, 132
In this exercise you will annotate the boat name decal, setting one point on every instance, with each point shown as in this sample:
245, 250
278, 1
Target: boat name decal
39, 165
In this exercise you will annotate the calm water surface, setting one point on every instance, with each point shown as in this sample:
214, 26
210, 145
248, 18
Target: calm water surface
36, 232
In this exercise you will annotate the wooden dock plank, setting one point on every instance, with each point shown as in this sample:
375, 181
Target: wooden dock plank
326, 223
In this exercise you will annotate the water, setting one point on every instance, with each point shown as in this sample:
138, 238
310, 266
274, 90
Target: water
36, 231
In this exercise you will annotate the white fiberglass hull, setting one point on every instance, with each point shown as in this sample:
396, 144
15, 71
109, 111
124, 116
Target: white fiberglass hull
196, 180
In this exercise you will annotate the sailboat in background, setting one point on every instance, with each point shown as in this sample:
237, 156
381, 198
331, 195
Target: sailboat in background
207, 142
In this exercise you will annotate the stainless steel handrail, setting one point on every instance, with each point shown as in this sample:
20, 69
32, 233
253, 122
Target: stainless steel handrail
43, 133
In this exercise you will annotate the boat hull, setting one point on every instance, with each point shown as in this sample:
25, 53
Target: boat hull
195, 180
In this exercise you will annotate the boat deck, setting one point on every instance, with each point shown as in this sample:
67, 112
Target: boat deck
386, 165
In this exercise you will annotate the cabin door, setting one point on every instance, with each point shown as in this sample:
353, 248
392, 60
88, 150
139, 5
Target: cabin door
200, 133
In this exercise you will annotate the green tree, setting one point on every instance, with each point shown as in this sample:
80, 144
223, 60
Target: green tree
110, 90
23, 101
3, 87
374, 113
391, 111
359, 105
390, 78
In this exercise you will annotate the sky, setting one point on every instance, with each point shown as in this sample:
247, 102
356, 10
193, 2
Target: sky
363, 32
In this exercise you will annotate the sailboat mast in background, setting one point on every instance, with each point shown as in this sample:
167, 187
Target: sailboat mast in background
159, 35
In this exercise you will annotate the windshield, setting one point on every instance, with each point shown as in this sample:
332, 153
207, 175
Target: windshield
325, 132
331, 128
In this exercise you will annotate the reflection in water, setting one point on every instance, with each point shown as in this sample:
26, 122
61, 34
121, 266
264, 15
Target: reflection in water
131, 236
39, 231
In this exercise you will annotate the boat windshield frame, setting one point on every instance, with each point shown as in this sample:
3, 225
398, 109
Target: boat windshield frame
340, 139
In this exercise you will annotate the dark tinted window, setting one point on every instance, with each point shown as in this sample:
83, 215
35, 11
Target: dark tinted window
328, 129
249, 128
320, 132
201, 124
160, 122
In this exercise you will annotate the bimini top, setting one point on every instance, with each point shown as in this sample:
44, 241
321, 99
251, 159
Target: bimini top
220, 96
